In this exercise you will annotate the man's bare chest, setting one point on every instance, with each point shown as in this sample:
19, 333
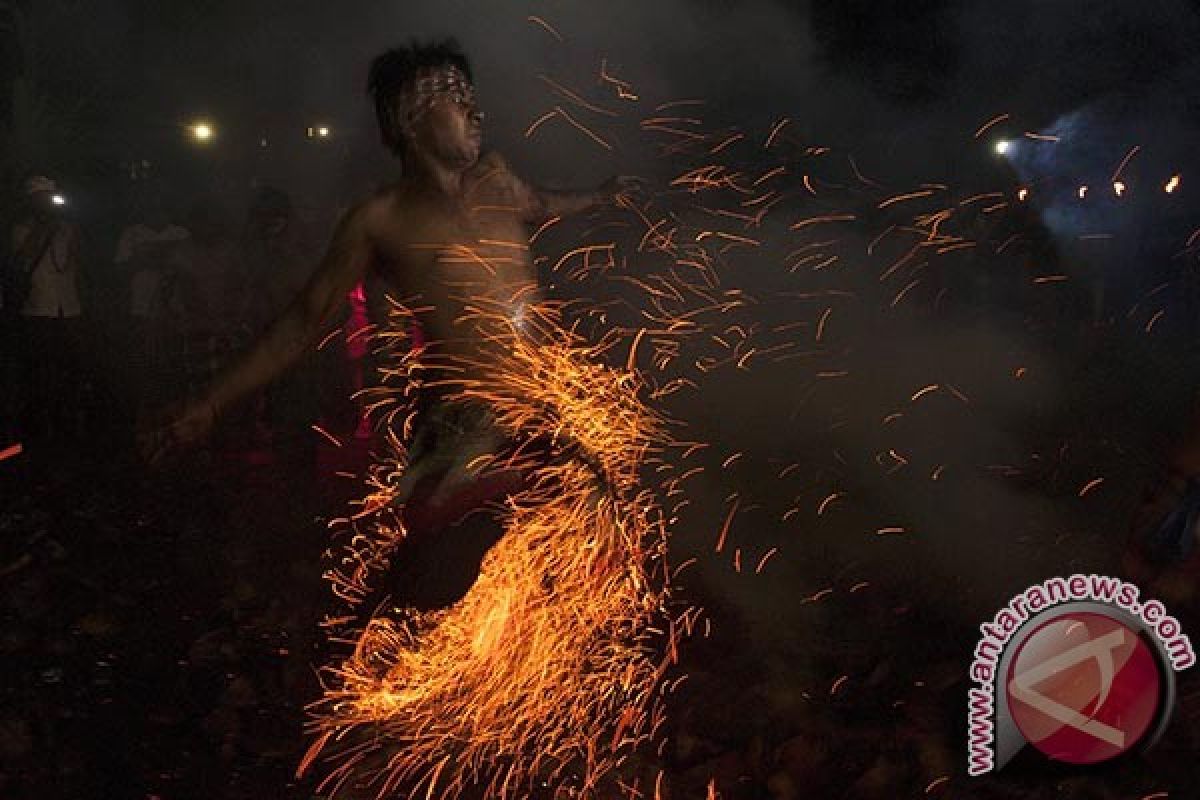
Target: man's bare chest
484, 243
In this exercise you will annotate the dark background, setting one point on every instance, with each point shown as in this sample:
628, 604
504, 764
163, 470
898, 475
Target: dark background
162, 624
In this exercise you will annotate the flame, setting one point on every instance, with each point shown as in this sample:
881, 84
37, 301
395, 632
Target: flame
548, 670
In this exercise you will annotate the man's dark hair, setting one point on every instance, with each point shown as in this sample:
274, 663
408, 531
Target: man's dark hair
390, 72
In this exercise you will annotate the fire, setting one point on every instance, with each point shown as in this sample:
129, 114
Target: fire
549, 669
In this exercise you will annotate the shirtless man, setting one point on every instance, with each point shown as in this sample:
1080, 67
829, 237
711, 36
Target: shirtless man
452, 231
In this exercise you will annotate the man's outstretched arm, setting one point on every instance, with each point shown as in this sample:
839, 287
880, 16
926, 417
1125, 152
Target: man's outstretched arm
538, 204
297, 330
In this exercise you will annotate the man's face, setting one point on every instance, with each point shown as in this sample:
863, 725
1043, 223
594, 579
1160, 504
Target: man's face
454, 128
449, 124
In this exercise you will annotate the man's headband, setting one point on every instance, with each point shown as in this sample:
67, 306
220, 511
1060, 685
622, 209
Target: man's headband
418, 95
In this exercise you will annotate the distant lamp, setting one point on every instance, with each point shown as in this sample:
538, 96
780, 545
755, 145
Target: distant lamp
1002, 147
1022, 194
1082, 192
58, 200
1172, 184
318, 131
202, 131
1118, 188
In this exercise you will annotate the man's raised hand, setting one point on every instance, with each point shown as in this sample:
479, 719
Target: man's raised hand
179, 430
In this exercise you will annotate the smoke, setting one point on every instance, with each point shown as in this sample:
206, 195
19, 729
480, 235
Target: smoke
1054, 67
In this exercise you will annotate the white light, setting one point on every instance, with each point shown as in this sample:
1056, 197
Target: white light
1172, 184
1082, 192
202, 131
58, 200
1022, 194
1118, 188
322, 131
1002, 147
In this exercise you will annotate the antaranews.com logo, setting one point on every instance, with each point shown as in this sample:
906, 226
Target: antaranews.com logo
1079, 668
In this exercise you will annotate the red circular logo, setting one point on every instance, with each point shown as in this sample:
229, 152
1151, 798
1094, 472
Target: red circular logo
1083, 688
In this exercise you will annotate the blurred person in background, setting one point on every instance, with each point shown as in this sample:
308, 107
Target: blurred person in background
204, 290
42, 301
143, 257
278, 260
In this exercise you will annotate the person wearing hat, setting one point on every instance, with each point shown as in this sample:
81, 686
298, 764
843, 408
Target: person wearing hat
41, 298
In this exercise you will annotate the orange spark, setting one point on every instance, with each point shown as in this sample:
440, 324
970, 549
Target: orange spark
900, 198
575, 98
329, 436
725, 527
538, 122
858, 174
936, 783
775, 131
900, 295
581, 127
543, 227
735, 137
624, 89
762, 562
329, 338
1121, 167
825, 503
780, 170
990, 123
821, 324
546, 25
933, 387
822, 220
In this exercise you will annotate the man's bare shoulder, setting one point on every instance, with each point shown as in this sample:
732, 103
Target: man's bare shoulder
490, 163
493, 170
377, 209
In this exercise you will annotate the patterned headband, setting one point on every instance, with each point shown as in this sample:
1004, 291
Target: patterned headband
417, 97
